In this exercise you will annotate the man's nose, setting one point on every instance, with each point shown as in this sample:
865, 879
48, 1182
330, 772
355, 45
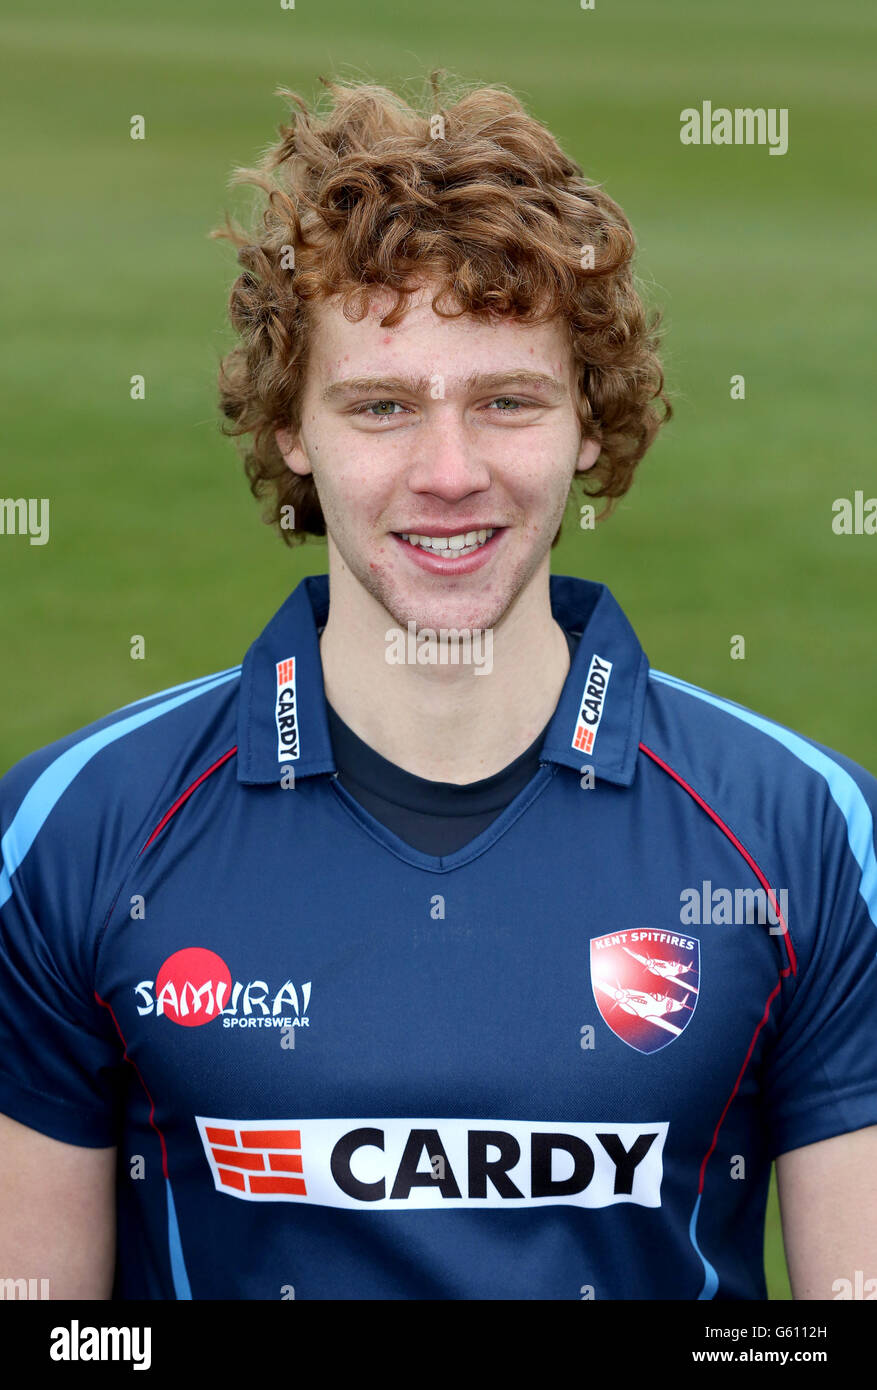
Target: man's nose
449, 459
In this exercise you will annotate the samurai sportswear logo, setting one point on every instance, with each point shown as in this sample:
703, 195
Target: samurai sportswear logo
641, 977
591, 711
284, 711
406, 1165
194, 986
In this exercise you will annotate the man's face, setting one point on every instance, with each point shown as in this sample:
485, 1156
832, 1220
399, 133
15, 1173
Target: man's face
441, 429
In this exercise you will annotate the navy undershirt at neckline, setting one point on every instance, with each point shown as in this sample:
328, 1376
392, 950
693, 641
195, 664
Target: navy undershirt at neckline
436, 818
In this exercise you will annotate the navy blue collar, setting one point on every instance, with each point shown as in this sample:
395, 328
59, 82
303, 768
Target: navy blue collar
282, 716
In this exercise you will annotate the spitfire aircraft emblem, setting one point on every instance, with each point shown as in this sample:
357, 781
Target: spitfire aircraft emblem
646, 985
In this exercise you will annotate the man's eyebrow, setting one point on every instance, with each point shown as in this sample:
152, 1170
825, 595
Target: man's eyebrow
422, 385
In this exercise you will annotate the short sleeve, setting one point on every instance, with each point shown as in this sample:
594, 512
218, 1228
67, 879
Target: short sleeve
60, 1060
821, 1075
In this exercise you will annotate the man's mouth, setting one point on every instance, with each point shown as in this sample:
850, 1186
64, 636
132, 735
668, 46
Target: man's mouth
450, 547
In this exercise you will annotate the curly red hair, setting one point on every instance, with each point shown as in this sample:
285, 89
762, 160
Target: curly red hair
477, 196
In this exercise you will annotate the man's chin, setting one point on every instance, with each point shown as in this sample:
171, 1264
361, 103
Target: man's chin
445, 623
475, 612
478, 607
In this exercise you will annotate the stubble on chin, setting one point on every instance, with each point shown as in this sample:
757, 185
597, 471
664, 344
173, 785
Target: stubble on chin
407, 600
482, 611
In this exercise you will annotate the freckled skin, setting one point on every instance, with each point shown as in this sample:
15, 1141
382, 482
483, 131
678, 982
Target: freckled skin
445, 460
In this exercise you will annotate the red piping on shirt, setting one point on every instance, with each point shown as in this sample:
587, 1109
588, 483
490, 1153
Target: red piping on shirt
142, 1082
156, 831
161, 824
791, 968
737, 845
184, 796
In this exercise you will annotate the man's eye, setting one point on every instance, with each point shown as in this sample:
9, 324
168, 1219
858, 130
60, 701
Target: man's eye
385, 410
369, 406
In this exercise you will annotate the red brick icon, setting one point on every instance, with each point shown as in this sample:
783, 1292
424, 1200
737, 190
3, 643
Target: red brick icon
258, 1160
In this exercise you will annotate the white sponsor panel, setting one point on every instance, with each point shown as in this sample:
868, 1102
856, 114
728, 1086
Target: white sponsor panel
435, 1164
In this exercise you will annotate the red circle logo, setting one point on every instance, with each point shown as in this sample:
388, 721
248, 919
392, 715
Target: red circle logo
192, 986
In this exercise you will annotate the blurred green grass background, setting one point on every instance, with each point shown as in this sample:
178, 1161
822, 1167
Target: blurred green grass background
762, 265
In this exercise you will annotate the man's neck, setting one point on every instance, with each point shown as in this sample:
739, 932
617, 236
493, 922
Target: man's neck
444, 722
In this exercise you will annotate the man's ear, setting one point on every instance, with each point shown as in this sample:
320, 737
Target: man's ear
588, 454
294, 455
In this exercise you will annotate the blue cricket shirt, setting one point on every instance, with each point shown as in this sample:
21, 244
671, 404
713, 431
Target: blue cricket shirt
555, 1063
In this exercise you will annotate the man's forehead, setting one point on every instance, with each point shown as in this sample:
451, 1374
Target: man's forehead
355, 348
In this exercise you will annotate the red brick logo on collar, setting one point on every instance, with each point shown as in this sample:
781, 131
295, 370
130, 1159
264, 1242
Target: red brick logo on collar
285, 713
591, 707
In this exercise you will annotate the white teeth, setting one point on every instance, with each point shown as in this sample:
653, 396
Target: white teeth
463, 544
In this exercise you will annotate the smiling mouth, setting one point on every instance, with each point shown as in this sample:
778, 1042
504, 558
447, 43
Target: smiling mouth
450, 547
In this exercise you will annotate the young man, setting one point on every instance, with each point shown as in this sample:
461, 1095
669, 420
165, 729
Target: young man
354, 973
